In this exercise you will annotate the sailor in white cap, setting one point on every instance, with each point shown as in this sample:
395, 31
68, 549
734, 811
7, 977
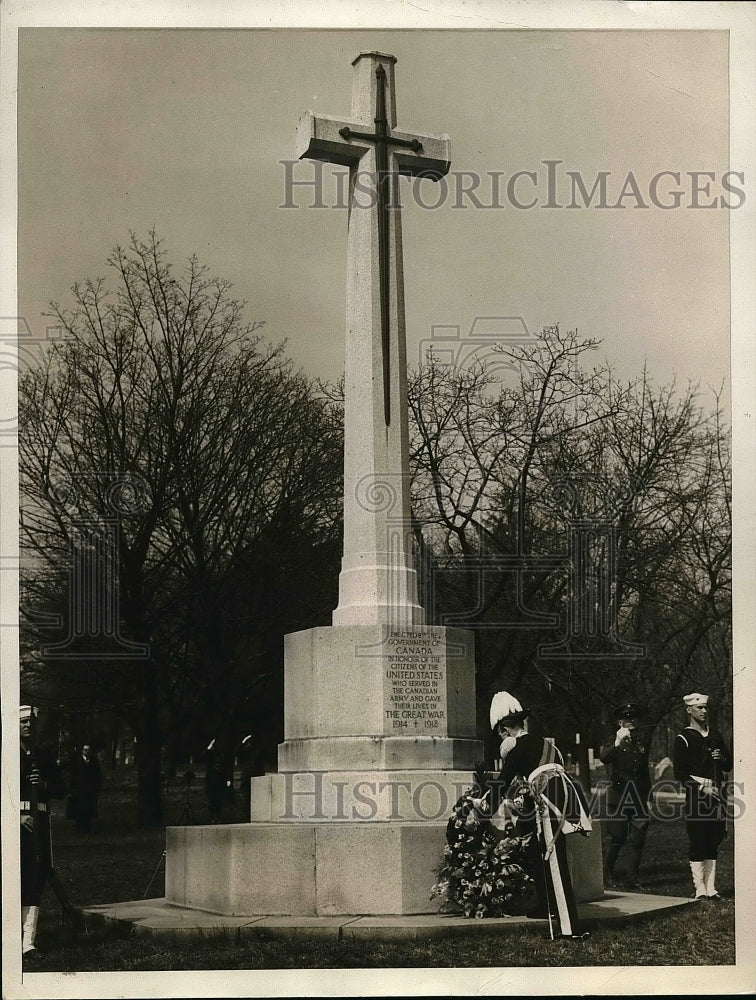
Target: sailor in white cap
701, 760
557, 808
40, 780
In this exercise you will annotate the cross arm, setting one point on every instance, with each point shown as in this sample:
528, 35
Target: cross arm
432, 160
320, 138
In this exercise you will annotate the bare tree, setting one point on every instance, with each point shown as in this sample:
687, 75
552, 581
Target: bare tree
164, 424
508, 473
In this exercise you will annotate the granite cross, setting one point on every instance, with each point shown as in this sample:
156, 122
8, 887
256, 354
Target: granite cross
323, 146
378, 578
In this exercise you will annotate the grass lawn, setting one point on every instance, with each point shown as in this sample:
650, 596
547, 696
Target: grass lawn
116, 862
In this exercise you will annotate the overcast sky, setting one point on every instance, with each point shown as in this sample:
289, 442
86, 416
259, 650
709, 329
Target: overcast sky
184, 130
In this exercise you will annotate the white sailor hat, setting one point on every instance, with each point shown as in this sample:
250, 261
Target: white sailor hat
695, 699
506, 708
26, 712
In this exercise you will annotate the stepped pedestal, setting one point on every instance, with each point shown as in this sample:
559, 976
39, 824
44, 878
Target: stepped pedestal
379, 728
354, 820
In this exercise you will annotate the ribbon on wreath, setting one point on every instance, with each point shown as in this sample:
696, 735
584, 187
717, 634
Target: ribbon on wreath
571, 816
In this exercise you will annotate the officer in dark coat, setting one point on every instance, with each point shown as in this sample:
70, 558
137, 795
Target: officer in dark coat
41, 780
627, 796
701, 760
250, 766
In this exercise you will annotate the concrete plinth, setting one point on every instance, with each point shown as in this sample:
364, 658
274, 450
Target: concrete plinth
586, 863
163, 919
304, 869
380, 796
379, 730
366, 697
345, 753
326, 868
379, 727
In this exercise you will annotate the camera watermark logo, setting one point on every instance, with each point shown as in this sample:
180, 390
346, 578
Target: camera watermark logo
588, 624
592, 611
546, 185
92, 620
588, 621
372, 797
485, 343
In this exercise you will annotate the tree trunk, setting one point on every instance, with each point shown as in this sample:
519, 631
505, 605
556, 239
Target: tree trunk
149, 749
583, 764
149, 785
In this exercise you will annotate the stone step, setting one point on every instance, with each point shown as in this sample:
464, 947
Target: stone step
160, 918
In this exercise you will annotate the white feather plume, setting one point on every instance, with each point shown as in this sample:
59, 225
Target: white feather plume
502, 705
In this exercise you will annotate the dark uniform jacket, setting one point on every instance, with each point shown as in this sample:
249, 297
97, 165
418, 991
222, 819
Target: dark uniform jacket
85, 787
528, 753
51, 785
36, 852
628, 771
692, 755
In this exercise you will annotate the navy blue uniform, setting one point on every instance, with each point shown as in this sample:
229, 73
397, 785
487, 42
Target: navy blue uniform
36, 850
627, 801
705, 815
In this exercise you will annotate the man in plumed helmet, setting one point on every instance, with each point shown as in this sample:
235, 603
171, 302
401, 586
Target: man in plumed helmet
701, 760
549, 802
627, 815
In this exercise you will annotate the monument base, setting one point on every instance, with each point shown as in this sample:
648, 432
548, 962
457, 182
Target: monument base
326, 869
304, 869
368, 796
380, 742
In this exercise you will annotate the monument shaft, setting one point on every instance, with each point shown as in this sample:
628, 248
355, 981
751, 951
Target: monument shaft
378, 582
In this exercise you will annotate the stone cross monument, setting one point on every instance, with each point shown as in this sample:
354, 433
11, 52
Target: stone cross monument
378, 583
379, 707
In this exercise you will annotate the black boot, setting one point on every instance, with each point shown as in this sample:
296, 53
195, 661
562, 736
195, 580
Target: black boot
632, 884
611, 860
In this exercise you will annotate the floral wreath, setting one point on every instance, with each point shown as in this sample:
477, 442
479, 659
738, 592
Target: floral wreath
483, 871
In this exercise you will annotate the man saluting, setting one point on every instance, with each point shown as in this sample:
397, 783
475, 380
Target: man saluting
626, 759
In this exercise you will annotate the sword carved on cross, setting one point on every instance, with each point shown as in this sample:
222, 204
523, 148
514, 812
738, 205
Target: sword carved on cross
343, 142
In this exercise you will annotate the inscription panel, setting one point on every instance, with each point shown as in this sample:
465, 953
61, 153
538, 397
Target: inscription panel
414, 683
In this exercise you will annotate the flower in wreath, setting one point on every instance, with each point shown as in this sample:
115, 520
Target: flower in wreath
482, 874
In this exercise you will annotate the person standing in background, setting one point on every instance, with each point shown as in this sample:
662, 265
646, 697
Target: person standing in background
701, 760
219, 790
627, 797
85, 788
248, 768
40, 781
